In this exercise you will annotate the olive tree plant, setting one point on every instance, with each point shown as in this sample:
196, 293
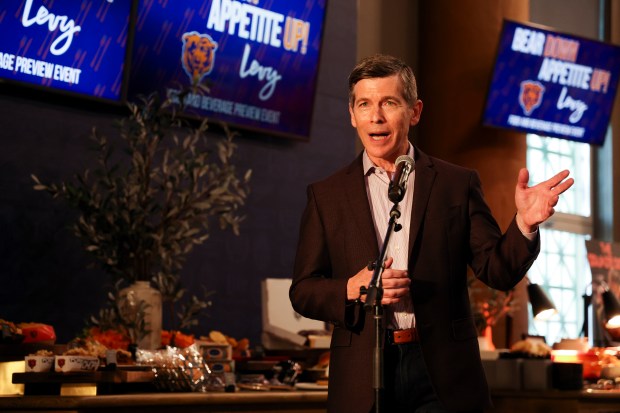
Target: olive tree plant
145, 205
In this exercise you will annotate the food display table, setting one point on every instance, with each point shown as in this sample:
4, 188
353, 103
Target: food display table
102, 382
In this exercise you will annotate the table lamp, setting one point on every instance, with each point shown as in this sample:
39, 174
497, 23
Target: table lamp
611, 307
611, 311
542, 306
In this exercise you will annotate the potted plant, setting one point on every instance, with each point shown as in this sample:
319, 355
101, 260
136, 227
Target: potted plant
488, 307
143, 208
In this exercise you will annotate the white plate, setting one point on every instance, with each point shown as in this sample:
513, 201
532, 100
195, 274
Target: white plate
310, 386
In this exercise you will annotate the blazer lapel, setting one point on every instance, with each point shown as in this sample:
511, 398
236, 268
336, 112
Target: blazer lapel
358, 205
424, 178
360, 209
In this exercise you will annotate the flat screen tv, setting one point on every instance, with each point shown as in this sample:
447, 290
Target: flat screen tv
552, 84
77, 47
258, 58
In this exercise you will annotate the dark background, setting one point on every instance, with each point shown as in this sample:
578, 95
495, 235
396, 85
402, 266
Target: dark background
44, 274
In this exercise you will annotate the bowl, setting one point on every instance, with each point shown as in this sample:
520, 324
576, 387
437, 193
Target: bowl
610, 371
39, 364
313, 375
578, 344
66, 364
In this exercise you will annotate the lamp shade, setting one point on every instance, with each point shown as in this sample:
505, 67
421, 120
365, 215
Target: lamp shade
542, 307
612, 309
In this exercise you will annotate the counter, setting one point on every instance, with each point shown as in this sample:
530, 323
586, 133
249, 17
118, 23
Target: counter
280, 402
552, 401
556, 401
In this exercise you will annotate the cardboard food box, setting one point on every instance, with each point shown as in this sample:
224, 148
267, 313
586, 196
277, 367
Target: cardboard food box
281, 324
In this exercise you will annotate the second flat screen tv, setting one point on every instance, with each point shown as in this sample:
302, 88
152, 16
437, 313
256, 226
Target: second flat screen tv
258, 58
553, 84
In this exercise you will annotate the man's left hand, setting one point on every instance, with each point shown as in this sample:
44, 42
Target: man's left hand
536, 204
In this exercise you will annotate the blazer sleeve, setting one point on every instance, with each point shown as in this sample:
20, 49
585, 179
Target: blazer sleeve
501, 260
315, 293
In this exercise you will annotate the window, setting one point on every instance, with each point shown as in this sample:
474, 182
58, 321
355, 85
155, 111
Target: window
562, 268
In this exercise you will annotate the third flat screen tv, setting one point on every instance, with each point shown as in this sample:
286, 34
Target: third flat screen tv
552, 84
258, 58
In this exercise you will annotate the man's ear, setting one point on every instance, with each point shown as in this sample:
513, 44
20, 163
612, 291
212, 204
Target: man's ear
416, 112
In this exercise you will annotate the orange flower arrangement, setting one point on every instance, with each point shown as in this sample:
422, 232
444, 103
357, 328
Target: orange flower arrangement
114, 339
176, 339
111, 339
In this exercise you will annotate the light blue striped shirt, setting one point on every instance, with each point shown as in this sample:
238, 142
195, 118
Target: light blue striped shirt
400, 315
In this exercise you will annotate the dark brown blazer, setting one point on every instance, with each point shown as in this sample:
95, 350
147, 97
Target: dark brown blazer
451, 228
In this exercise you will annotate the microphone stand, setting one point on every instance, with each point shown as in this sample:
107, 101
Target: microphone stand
374, 294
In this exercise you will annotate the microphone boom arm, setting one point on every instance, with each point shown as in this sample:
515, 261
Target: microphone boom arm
374, 291
374, 295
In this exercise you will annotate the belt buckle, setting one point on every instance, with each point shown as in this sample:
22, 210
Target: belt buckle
402, 336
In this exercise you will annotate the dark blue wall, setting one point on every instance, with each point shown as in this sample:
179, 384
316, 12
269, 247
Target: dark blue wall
43, 269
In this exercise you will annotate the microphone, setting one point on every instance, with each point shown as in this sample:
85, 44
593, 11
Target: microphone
398, 185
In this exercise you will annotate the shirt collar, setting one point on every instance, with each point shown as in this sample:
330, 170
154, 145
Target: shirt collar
369, 166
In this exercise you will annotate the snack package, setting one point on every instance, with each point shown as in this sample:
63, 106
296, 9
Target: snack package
38, 333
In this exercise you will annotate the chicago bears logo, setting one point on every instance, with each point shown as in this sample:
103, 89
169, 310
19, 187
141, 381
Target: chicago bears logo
198, 56
531, 95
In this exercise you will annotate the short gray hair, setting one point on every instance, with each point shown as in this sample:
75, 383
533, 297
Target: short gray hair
380, 65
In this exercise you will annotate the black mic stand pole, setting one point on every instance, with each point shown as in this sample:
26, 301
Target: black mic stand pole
374, 294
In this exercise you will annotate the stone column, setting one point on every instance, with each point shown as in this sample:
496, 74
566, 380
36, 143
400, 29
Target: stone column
457, 48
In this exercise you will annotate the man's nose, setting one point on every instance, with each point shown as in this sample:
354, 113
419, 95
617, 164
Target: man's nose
377, 115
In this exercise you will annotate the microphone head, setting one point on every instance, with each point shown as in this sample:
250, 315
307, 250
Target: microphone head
396, 189
404, 158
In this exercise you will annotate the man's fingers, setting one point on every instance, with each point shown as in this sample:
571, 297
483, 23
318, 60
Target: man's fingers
557, 179
523, 178
563, 186
554, 201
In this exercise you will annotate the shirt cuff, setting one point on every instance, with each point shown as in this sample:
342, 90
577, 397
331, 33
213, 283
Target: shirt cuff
531, 236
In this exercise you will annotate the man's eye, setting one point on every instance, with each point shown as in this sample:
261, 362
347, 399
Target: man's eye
389, 103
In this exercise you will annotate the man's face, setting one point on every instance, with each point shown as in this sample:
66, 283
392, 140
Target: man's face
382, 118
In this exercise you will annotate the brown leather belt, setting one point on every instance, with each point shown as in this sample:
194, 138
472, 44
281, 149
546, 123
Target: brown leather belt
409, 335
